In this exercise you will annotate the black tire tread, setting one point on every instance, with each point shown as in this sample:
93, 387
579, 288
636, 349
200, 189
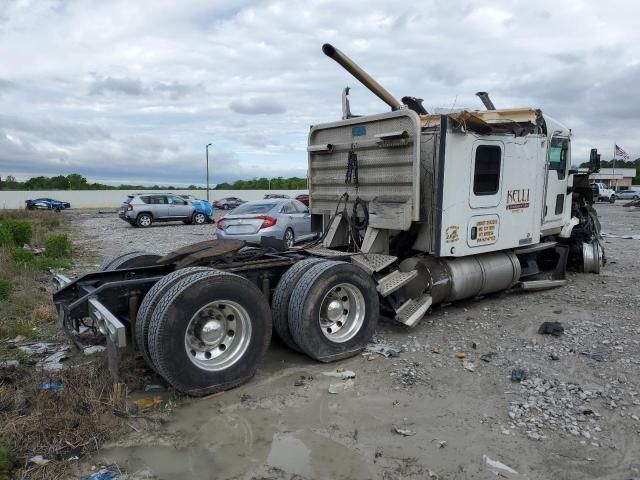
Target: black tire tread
148, 306
121, 260
282, 296
109, 260
155, 334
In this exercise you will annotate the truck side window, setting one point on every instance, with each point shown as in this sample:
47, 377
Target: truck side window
486, 175
558, 153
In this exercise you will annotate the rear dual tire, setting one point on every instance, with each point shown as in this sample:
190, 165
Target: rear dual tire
208, 332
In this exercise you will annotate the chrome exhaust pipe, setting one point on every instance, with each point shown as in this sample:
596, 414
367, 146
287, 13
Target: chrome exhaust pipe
364, 78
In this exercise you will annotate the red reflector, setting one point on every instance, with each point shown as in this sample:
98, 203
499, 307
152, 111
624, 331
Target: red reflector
266, 221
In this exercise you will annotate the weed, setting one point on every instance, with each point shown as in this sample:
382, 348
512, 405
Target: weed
5, 288
20, 231
7, 460
6, 239
57, 246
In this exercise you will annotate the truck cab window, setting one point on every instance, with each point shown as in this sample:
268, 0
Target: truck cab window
486, 175
558, 154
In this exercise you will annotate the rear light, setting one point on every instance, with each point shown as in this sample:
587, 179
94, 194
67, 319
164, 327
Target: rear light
267, 221
219, 223
129, 207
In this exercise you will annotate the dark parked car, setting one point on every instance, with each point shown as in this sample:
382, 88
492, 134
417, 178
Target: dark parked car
46, 204
304, 198
228, 203
275, 195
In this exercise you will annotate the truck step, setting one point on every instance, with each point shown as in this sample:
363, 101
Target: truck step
373, 262
328, 252
412, 311
394, 281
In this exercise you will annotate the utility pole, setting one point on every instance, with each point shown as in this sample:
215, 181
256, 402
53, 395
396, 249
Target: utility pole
207, 153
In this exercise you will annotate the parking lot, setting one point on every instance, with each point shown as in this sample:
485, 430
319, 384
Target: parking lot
426, 413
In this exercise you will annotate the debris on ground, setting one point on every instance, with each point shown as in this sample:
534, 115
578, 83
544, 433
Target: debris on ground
106, 473
461, 355
551, 328
145, 403
499, 468
40, 348
597, 356
487, 357
335, 388
384, 349
93, 349
518, 374
51, 386
10, 364
468, 365
153, 387
38, 460
405, 432
442, 443
344, 374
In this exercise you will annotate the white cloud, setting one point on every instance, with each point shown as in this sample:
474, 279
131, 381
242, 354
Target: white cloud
119, 90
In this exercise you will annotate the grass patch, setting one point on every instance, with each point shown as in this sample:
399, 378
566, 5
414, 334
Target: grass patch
7, 460
5, 288
57, 246
18, 231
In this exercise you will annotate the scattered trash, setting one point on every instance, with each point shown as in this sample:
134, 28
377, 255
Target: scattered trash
335, 388
597, 356
405, 432
487, 357
107, 473
498, 468
18, 339
470, 366
442, 443
435, 350
39, 460
41, 348
553, 356
144, 403
54, 361
9, 364
384, 349
461, 355
94, 349
342, 373
551, 328
153, 387
50, 386
299, 382
518, 374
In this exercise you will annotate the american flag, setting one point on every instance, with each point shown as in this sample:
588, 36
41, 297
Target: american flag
621, 153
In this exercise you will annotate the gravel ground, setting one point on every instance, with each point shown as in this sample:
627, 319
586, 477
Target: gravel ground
427, 413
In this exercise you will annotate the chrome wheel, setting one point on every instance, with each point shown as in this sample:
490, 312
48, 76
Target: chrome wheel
218, 335
342, 312
199, 218
289, 240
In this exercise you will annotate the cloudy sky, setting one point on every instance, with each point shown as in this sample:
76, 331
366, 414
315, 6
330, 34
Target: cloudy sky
131, 91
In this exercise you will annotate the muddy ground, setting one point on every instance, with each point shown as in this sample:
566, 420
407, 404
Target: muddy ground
576, 416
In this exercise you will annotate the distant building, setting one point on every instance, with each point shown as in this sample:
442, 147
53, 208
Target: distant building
619, 178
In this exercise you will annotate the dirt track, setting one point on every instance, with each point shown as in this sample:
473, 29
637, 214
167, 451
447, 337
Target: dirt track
573, 418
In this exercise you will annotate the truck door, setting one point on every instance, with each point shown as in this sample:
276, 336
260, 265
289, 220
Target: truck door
486, 191
557, 201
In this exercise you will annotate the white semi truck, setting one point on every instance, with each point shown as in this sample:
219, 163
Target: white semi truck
415, 209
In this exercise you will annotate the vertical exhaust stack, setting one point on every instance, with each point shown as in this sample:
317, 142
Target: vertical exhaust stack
364, 78
488, 104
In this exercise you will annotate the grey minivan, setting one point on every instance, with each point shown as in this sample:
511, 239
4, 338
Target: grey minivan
143, 209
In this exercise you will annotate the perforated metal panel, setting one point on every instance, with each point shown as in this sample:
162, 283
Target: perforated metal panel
387, 147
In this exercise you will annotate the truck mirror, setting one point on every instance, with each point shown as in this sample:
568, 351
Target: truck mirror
594, 160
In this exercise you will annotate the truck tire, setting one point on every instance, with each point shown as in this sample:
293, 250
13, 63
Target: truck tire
132, 260
333, 311
148, 305
612, 199
115, 259
282, 296
144, 220
209, 332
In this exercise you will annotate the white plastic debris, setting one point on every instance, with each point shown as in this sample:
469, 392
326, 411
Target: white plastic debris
405, 432
335, 388
469, 365
38, 460
343, 375
94, 349
499, 468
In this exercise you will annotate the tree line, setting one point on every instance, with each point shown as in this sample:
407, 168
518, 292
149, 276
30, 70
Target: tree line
75, 181
635, 164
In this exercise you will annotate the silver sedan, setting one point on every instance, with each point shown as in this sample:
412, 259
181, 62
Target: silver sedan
285, 219
631, 194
